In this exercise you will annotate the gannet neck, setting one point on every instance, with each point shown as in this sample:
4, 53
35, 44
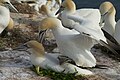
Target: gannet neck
4, 16
69, 6
110, 23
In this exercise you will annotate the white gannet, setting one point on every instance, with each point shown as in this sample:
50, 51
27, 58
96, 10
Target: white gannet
44, 60
5, 14
110, 27
87, 23
70, 9
70, 42
108, 12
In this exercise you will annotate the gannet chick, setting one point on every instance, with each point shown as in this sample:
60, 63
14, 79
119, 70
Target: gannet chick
5, 14
44, 60
70, 42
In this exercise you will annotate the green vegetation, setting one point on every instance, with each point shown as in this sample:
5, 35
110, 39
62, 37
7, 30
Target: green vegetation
59, 75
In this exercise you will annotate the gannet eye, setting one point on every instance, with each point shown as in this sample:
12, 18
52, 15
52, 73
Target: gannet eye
25, 45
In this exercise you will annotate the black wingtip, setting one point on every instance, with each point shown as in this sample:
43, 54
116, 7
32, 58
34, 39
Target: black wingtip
110, 48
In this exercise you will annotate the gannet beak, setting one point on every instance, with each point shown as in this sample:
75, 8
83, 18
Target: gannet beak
13, 7
60, 10
22, 47
102, 19
42, 35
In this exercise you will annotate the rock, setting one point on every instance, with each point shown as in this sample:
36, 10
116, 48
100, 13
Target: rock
15, 65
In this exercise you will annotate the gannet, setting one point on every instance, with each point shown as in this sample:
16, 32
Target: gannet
70, 9
108, 12
71, 18
44, 60
110, 27
86, 26
70, 42
47, 11
5, 14
51, 9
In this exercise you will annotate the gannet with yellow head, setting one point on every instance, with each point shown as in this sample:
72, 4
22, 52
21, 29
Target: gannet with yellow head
70, 42
69, 8
47, 11
108, 12
44, 60
110, 27
86, 23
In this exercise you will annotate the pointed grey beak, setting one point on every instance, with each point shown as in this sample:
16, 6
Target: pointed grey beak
60, 10
22, 47
13, 7
42, 35
102, 19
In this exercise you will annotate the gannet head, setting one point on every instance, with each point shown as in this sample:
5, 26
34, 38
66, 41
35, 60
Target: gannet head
7, 2
33, 48
106, 9
47, 23
69, 5
36, 47
45, 9
59, 2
